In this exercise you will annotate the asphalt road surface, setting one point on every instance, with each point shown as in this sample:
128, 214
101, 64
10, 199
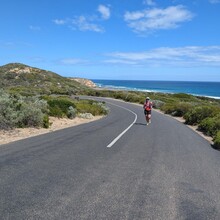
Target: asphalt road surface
161, 171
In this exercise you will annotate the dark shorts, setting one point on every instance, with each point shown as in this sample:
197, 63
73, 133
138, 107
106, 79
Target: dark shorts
147, 112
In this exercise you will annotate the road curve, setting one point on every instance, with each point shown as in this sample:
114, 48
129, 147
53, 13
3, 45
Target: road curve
160, 171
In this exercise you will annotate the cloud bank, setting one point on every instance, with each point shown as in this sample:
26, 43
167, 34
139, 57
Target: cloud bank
167, 56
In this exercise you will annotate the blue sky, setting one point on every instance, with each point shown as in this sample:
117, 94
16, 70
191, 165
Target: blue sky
114, 39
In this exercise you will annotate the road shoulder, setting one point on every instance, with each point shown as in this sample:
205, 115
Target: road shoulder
57, 124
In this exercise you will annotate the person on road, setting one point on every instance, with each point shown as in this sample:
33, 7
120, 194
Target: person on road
147, 110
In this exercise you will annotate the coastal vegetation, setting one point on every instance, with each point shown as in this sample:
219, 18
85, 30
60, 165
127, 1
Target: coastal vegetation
32, 111
30, 81
28, 96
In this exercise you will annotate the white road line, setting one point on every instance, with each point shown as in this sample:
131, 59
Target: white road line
122, 133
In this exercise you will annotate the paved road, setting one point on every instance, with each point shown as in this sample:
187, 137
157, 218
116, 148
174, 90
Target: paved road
160, 171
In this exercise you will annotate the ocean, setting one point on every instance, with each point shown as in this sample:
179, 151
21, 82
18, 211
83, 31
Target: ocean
208, 89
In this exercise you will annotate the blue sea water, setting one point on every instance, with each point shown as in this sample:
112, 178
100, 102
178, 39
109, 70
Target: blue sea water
208, 89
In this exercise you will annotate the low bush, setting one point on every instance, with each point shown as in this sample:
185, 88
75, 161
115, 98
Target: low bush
55, 111
176, 109
20, 111
93, 107
46, 121
31, 112
30, 116
132, 97
157, 104
217, 140
63, 106
210, 126
71, 113
60, 106
184, 97
85, 115
197, 114
8, 113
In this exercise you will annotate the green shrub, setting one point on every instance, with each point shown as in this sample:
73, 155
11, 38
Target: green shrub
31, 112
71, 112
46, 121
120, 95
63, 106
55, 111
93, 107
85, 115
59, 106
19, 111
210, 126
176, 109
197, 114
132, 98
8, 114
30, 117
182, 96
157, 104
217, 140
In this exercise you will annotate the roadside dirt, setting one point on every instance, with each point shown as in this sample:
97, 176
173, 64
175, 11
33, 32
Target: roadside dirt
57, 124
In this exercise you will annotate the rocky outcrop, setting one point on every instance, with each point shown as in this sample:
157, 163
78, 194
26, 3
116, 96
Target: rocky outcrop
20, 71
85, 82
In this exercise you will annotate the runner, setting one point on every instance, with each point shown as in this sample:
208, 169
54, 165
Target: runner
147, 110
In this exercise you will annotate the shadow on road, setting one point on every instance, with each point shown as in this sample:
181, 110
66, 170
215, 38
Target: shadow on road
140, 124
215, 147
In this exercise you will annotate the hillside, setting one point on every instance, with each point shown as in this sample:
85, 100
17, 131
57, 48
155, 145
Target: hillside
24, 79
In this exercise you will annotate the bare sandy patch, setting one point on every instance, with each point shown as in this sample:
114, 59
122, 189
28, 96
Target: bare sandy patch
57, 124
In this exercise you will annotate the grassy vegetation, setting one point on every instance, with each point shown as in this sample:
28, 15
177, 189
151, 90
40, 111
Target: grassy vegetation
217, 140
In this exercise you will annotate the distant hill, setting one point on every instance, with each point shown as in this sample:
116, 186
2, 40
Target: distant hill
24, 79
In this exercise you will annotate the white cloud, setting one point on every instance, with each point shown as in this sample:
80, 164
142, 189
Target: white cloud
72, 61
157, 18
214, 1
86, 23
83, 24
149, 2
34, 28
60, 21
132, 16
104, 11
167, 56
